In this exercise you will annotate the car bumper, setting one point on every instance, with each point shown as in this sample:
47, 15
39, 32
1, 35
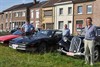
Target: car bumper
14, 46
71, 53
21, 47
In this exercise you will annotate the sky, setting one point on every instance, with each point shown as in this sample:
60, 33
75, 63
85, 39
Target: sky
4, 4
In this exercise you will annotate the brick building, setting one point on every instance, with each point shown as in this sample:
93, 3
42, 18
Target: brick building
15, 16
82, 10
36, 14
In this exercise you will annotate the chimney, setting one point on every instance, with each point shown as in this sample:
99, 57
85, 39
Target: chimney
35, 1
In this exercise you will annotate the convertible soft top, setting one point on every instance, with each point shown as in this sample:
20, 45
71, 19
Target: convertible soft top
8, 37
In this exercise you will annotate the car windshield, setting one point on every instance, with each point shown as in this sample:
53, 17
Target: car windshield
45, 33
98, 32
82, 32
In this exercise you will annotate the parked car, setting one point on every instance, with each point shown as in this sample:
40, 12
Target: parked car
74, 45
6, 38
42, 41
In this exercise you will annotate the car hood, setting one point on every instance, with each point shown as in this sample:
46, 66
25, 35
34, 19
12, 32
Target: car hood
8, 37
27, 39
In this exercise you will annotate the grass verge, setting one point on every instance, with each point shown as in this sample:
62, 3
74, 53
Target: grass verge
13, 58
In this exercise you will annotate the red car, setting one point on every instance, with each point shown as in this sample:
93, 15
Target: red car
6, 38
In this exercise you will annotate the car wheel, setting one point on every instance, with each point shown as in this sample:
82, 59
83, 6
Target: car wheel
96, 54
42, 47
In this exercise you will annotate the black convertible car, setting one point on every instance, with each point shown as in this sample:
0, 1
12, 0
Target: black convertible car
74, 45
44, 40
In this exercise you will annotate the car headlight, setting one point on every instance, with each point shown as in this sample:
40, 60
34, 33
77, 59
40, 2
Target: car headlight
65, 39
1, 42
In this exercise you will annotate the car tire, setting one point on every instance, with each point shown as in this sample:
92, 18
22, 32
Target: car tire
96, 54
42, 48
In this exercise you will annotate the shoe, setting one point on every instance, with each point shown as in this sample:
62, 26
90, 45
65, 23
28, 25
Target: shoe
91, 64
86, 63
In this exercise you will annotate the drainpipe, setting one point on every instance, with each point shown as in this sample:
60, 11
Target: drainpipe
73, 21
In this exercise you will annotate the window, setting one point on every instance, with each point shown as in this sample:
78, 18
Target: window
1, 26
49, 25
16, 14
60, 26
79, 24
89, 9
69, 10
48, 13
6, 16
32, 14
19, 14
69, 24
23, 13
79, 9
37, 24
9, 15
2, 17
60, 11
5, 25
37, 13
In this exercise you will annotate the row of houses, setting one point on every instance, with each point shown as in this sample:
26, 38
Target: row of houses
52, 14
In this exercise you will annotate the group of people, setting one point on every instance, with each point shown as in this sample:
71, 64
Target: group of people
89, 40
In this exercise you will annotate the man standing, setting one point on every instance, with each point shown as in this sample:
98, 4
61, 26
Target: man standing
90, 33
28, 28
66, 31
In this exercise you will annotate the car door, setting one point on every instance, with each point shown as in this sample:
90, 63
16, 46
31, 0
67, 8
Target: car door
57, 36
98, 35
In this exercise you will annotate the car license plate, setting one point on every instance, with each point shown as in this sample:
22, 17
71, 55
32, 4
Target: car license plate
70, 54
14, 46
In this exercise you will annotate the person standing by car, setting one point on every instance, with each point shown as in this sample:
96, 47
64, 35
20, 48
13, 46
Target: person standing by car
28, 28
90, 33
66, 31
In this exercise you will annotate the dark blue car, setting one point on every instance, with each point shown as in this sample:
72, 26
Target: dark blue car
42, 41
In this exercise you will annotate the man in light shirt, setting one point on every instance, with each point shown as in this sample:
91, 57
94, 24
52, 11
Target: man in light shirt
28, 28
66, 31
90, 34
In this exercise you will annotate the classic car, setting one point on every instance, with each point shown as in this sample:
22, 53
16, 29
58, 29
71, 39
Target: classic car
6, 38
74, 45
44, 40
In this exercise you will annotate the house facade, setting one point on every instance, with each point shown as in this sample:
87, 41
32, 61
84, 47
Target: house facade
48, 14
15, 16
82, 10
36, 14
64, 14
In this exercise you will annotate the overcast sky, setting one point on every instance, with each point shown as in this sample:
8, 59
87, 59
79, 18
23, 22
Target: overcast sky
4, 4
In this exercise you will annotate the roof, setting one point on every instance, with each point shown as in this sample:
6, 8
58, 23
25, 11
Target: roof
19, 6
50, 3
63, 1
81, 1
39, 4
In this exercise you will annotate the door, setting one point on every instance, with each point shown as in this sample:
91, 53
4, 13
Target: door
70, 26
